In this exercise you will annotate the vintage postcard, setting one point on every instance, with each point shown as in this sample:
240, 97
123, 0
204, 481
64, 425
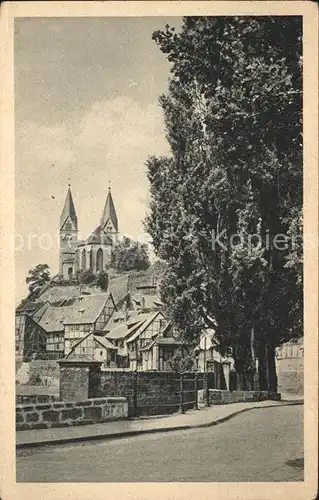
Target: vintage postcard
159, 244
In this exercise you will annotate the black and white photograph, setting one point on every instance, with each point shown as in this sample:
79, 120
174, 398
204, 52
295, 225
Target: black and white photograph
159, 247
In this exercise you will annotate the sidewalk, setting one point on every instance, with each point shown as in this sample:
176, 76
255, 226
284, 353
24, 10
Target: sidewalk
192, 419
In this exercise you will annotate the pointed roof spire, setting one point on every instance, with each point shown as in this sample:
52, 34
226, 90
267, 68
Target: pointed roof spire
69, 210
109, 212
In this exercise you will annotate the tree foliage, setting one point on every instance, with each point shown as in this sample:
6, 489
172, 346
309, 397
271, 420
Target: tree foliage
36, 279
130, 255
88, 277
233, 119
181, 363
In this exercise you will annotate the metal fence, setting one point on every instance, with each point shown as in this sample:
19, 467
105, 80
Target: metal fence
179, 394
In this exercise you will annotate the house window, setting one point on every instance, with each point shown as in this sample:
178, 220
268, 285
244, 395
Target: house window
83, 349
121, 343
57, 346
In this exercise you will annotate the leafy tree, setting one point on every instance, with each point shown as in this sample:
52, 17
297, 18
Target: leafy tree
36, 279
181, 363
233, 119
86, 277
102, 280
130, 255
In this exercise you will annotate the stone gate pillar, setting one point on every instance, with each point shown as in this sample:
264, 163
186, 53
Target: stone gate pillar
79, 379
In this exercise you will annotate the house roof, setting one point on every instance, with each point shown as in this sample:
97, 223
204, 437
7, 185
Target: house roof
79, 357
133, 318
118, 286
58, 293
123, 330
68, 210
117, 318
147, 301
29, 307
37, 315
144, 324
104, 342
86, 309
52, 320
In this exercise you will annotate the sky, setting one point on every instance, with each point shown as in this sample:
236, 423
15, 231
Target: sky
86, 113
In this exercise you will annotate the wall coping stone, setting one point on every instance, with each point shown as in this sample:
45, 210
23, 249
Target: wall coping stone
70, 404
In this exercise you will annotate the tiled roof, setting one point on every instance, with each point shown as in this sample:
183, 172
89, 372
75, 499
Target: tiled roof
118, 286
37, 315
29, 307
58, 293
143, 325
53, 318
118, 319
122, 331
86, 309
79, 357
104, 342
146, 301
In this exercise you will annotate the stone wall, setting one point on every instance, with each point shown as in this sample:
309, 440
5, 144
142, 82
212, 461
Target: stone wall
152, 393
291, 381
224, 397
290, 373
36, 398
62, 414
39, 373
74, 383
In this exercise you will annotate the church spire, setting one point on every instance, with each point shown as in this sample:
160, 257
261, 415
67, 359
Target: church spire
68, 211
109, 217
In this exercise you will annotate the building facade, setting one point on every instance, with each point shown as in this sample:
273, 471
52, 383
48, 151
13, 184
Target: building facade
95, 252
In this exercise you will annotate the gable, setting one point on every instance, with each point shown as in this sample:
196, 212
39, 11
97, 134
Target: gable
68, 225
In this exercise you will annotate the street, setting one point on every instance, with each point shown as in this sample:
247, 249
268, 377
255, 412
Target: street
258, 445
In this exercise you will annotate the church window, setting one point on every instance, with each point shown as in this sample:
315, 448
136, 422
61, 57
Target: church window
83, 259
91, 259
99, 260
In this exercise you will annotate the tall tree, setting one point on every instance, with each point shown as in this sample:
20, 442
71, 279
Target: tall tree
130, 255
233, 184
36, 279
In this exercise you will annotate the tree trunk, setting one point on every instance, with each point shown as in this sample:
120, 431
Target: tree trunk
262, 367
273, 383
240, 381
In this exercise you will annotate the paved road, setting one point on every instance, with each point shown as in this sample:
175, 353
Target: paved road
259, 445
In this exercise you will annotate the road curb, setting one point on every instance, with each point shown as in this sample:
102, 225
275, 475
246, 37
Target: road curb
117, 435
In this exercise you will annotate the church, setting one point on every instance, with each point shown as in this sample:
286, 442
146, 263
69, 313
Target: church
95, 252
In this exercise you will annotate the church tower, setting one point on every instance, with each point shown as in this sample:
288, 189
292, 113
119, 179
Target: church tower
109, 223
68, 237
